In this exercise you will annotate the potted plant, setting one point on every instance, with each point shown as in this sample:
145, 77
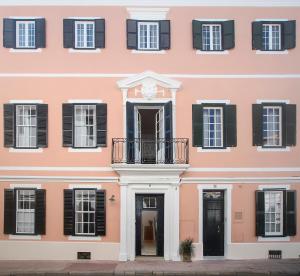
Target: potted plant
186, 249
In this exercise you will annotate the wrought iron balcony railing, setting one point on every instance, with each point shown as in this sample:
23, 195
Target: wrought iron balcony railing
150, 151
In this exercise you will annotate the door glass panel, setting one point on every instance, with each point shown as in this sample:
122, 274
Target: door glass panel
149, 233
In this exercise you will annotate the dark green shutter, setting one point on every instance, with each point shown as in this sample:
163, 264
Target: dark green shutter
9, 33
197, 118
290, 125
228, 40
42, 125
131, 26
68, 113
130, 132
9, 125
257, 110
69, 212
100, 213
69, 33
289, 34
101, 119
164, 35
257, 35
40, 33
9, 212
168, 133
291, 216
260, 213
99, 33
230, 125
40, 212
197, 34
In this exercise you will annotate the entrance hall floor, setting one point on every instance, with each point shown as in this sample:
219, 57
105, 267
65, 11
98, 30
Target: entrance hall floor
142, 267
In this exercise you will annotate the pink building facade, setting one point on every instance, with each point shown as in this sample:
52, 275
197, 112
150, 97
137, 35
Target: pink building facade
129, 126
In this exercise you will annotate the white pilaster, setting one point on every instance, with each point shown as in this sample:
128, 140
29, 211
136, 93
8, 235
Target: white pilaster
123, 226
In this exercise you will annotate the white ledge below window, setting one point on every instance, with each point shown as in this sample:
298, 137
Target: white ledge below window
87, 51
273, 239
39, 150
84, 238
161, 52
199, 52
24, 237
25, 50
213, 150
85, 150
272, 149
259, 52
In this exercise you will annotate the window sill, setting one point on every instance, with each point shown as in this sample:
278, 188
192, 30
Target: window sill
159, 52
87, 51
199, 52
259, 52
213, 150
262, 149
25, 50
24, 237
85, 150
84, 238
39, 150
273, 239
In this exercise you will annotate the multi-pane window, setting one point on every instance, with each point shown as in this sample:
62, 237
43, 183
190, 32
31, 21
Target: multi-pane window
26, 126
148, 35
273, 213
85, 126
25, 211
211, 37
85, 209
212, 127
272, 126
25, 34
149, 202
271, 37
84, 34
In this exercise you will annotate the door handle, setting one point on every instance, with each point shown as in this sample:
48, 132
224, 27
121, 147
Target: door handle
218, 228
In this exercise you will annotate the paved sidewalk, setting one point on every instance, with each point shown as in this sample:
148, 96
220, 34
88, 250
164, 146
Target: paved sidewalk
153, 267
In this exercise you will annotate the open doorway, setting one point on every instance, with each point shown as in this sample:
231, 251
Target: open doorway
149, 233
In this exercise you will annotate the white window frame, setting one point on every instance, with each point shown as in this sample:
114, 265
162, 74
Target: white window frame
274, 233
280, 126
24, 211
222, 127
148, 24
84, 23
26, 23
82, 212
270, 43
149, 206
211, 37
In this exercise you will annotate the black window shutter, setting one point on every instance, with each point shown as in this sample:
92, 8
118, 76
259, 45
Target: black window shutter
197, 119
257, 124
9, 33
289, 34
100, 33
228, 40
197, 34
131, 26
69, 212
40, 33
40, 212
260, 213
68, 113
101, 119
291, 225
257, 35
9, 125
164, 35
69, 33
42, 125
9, 212
100, 213
230, 125
168, 133
130, 132
290, 125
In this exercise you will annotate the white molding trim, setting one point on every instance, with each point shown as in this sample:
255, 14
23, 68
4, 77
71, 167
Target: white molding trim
259, 101
24, 237
85, 186
57, 169
26, 101
273, 239
211, 19
65, 179
148, 13
199, 52
84, 101
264, 187
84, 17
27, 186
143, 100
224, 169
160, 52
90, 51
39, 50
84, 238
199, 149
20, 150
259, 52
84, 150
213, 101
262, 149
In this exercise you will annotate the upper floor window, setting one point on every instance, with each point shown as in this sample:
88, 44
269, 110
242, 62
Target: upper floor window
148, 38
211, 37
272, 133
271, 35
212, 127
25, 34
84, 34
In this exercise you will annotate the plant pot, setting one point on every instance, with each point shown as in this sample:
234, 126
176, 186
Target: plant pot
186, 257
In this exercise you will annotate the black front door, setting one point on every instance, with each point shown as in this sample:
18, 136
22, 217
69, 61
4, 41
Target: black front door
149, 225
213, 223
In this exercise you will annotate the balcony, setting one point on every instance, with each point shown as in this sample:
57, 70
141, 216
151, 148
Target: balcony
150, 151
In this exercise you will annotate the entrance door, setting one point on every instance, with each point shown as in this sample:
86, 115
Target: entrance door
149, 228
159, 136
213, 223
